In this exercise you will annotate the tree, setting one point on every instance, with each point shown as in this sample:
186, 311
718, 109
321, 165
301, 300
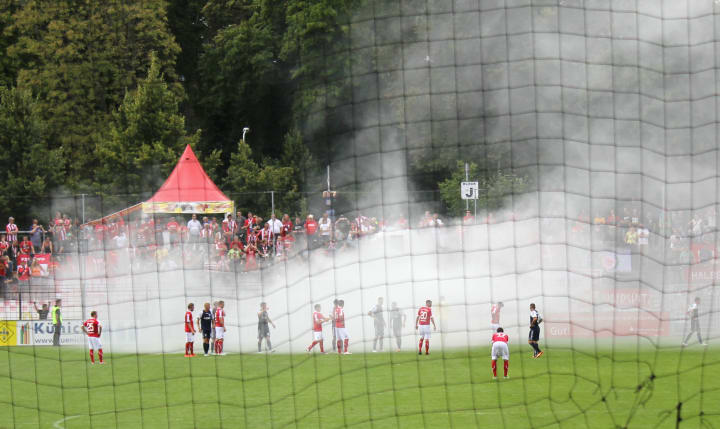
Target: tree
249, 183
80, 57
145, 136
495, 187
32, 171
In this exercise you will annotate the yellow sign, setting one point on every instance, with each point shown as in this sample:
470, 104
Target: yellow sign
188, 207
8, 335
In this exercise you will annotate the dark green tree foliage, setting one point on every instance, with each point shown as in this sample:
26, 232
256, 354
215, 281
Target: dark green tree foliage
32, 170
80, 57
495, 187
146, 135
250, 182
7, 63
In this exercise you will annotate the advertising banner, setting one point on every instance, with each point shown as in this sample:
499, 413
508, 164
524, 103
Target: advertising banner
8, 334
40, 333
188, 207
607, 324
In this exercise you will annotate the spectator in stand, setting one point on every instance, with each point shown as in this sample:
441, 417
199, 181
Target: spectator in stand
342, 228
266, 235
425, 222
276, 227
194, 228
36, 235
643, 235
299, 225
325, 226
631, 236
26, 247
42, 312
4, 272
249, 224
311, 227
12, 254
250, 260
611, 219
229, 228
47, 246
4, 245
468, 219
240, 220
173, 228
11, 230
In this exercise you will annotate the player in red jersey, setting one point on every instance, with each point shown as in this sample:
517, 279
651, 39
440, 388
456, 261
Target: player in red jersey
340, 332
500, 349
422, 321
189, 331
495, 315
219, 328
318, 320
93, 329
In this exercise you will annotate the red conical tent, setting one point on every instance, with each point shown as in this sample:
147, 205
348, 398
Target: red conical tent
188, 189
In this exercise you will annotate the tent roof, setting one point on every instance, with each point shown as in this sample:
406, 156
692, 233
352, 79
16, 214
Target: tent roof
188, 182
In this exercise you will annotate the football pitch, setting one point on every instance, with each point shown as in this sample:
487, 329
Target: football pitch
48, 387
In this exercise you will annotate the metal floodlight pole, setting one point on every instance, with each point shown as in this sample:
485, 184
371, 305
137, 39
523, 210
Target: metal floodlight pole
467, 179
272, 202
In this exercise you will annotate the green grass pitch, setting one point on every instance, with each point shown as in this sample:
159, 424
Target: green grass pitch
566, 388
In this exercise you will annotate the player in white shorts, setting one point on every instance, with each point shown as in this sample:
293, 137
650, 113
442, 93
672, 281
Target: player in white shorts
500, 350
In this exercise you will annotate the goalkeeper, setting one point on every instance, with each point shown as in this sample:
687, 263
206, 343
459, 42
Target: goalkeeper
534, 336
693, 313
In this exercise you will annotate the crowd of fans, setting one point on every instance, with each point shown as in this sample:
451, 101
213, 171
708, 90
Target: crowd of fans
245, 242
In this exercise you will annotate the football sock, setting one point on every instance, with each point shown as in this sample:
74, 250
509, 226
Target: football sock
427, 346
312, 345
494, 368
260, 345
206, 347
269, 346
322, 347
192, 348
399, 341
699, 337
92, 356
505, 367
187, 348
375, 343
339, 346
380, 340
420, 347
688, 337
346, 344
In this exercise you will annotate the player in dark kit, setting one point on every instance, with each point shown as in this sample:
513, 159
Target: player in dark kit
264, 328
205, 325
534, 336
693, 313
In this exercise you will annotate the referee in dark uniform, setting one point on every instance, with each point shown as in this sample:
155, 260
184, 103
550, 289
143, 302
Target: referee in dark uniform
534, 336
205, 325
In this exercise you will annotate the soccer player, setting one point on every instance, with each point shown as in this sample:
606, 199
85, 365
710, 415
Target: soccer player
340, 332
212, 331
423, 319
334, 340
189, 331
379, 320
264, 328
500, 349
93, 329
219, 328
397, 323
205, 323
495, 315
318, 320
534, 335
693, 313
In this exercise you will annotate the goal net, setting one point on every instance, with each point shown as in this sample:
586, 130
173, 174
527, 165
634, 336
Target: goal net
590, 128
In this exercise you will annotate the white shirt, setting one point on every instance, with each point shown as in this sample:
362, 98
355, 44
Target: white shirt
275, 226
194, 226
